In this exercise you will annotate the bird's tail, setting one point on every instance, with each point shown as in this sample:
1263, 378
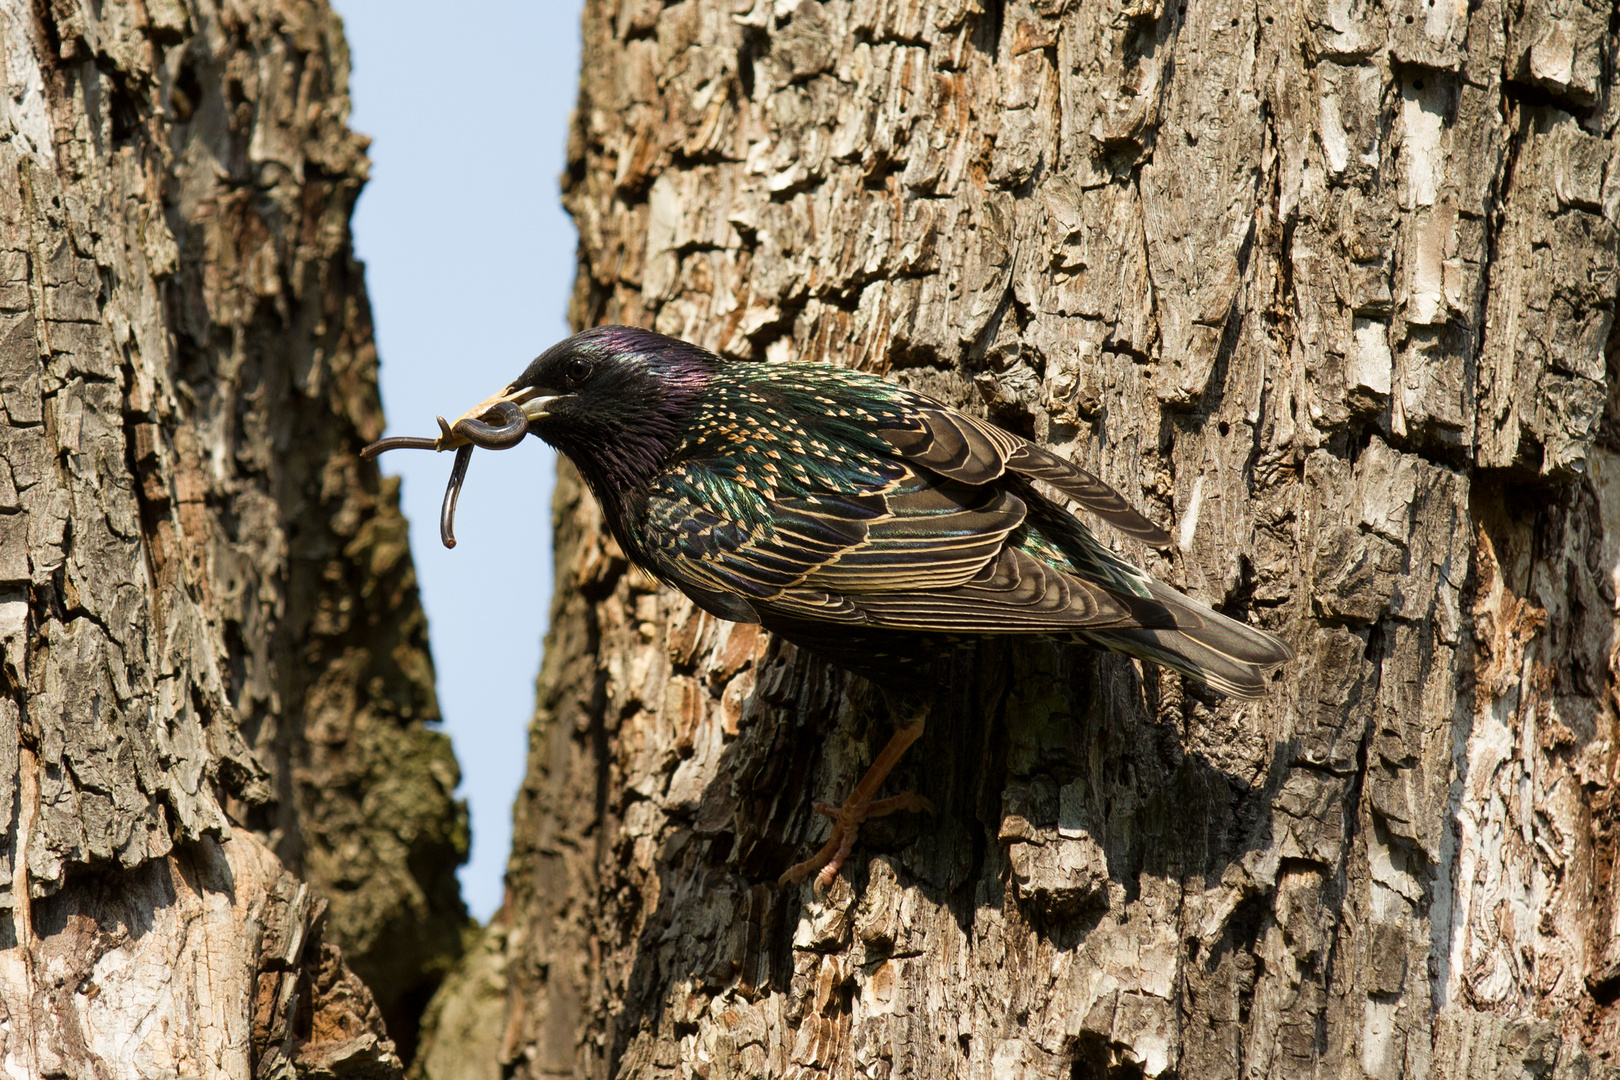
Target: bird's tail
1227, 655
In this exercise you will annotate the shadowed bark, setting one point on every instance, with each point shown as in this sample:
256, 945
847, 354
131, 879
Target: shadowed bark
215, 671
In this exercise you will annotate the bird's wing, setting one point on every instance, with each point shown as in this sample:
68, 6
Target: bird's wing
918, 552
733, 546
1013, 593
957, 446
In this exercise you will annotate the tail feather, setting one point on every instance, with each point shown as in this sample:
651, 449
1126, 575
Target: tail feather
1223, 653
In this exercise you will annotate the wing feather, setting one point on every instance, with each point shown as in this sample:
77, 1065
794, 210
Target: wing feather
935, 537
1013, 594
918, 534
959, 447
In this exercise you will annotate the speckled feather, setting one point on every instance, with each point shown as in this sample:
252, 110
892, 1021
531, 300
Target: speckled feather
859, 518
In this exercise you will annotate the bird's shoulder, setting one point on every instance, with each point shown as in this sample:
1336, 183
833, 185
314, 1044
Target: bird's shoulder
788, 430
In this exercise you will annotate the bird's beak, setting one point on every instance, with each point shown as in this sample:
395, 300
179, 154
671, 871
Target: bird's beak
533, 404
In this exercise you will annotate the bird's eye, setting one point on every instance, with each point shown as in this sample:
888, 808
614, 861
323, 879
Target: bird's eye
576, 370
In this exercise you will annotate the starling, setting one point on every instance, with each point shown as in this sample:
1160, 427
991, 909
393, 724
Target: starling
864, 522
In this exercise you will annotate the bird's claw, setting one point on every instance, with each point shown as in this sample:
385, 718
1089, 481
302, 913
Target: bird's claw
859, 807
847, 820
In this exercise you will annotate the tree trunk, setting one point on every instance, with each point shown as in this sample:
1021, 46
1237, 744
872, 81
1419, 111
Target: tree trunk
215, 674
1330, 288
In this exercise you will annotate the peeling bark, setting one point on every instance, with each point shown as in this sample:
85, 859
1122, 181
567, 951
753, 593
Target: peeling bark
215, 673
1332, 288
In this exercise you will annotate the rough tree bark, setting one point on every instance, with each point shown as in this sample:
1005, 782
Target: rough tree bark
1328, 285
215, 674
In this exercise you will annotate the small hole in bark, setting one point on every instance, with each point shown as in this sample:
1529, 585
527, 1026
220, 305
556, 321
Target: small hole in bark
125, 116
1226, 429
1094, 1062
187, 92
1417, 84
996, 11
1374, 652
1234, 24
1409, 20
755, 43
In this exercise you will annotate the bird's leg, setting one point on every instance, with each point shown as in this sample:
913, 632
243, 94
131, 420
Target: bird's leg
859, 807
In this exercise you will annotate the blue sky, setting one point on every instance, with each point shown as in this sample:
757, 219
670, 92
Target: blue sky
469, 263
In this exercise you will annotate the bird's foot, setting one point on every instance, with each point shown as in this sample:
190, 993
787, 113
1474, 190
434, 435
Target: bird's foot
857, 809
847, 821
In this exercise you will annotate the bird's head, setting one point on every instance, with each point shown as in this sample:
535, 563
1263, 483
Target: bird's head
612, 398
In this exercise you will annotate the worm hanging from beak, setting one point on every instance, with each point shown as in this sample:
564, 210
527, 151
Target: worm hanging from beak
508, 430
